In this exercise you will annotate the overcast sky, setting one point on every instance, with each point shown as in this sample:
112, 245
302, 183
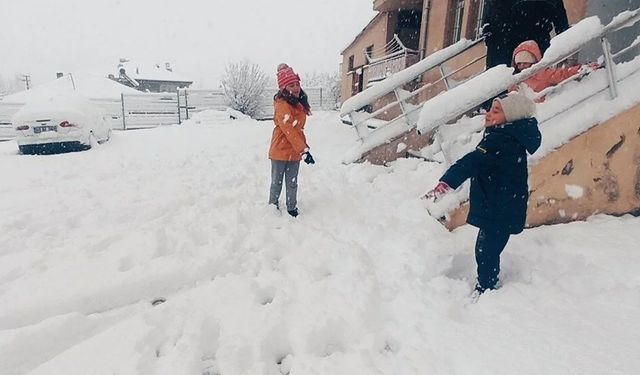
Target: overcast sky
42, 37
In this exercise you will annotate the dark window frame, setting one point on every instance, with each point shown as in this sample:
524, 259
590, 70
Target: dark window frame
369, 51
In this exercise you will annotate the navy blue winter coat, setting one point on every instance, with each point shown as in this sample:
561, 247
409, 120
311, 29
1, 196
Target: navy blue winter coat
498, 172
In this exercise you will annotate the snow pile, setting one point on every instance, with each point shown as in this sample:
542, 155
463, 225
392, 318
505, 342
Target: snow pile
212, 117
364, 281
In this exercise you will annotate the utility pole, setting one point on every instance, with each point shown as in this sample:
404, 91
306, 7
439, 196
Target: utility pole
26, 78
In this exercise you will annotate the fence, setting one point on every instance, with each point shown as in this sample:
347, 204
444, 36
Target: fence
147, 110
192, 101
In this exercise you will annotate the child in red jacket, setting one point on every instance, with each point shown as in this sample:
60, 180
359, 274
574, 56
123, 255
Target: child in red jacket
527, 54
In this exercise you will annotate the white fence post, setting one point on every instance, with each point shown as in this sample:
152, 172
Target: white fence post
179, 115
124, 121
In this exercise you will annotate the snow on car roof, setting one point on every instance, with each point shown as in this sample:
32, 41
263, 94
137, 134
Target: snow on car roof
70, 105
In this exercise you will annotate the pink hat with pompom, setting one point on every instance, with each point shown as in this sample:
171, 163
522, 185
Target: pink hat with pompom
286, 76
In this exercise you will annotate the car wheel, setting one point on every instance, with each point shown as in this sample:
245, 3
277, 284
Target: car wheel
107, 138
91, 141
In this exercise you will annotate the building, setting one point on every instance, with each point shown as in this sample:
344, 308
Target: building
149, 77
405, 31
601, 160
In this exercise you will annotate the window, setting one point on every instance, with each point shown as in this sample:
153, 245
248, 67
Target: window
350, 66
369, 51
457, 20
474, 21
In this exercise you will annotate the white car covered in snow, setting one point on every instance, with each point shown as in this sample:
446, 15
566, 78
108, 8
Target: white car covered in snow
60, 124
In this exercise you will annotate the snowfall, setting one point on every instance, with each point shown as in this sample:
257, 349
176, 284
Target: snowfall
156, 253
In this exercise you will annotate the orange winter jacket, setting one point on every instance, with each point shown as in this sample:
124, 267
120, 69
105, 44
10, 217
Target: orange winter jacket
288, 141
547, 77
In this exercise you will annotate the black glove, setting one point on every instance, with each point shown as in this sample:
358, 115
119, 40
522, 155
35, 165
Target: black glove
308, 158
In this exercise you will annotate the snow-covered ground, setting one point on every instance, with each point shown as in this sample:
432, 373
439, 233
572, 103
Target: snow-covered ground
364, 281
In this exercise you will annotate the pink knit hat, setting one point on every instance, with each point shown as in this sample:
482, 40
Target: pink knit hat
286, 76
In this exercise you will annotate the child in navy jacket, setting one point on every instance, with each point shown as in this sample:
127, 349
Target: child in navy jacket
498, 172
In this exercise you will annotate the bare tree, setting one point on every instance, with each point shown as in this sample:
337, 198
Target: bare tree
244, 84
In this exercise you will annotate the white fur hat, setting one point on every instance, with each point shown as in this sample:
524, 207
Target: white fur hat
517, 106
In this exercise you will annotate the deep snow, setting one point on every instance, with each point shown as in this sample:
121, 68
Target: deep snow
364, 281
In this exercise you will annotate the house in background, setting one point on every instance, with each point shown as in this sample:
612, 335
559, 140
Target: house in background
149, 77
405, 31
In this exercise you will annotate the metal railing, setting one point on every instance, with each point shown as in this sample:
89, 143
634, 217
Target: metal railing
352, 107
613, 77
408, 119
553, 56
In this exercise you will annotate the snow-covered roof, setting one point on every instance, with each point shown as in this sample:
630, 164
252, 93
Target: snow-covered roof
149, 71
88, 85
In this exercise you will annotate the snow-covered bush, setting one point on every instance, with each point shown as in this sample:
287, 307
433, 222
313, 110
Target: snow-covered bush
330, 84
244, 84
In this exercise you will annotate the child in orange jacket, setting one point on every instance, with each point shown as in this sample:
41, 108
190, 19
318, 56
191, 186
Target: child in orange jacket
288, 141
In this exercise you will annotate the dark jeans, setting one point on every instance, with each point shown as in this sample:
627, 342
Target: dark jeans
489, 245
287, 170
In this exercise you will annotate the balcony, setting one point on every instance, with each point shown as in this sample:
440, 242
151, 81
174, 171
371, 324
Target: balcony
389, 59
379, 69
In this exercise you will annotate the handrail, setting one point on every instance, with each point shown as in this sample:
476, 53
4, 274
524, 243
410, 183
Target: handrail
387, 85
395, 81
633, 17
390, 56
561, 49
416, 92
